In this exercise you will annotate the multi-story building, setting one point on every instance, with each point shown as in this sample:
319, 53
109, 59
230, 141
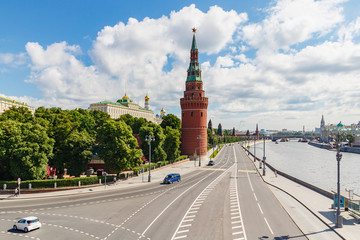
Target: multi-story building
6, 103
127, 106
194, 109
327, 131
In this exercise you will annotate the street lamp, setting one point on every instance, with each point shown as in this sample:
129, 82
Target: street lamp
339, 220
199, 137
264, 159
149, 138
254, 150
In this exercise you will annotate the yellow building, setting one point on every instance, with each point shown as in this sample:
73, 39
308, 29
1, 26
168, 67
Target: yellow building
6, 103
126, 106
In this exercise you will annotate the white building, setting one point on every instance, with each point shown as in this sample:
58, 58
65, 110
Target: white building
126, 106
6, 103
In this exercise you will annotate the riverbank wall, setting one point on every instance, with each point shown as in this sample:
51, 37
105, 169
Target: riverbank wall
328, 147
320, 145
294, 179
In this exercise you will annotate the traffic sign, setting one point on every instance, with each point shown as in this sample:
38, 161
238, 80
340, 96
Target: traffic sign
19, 181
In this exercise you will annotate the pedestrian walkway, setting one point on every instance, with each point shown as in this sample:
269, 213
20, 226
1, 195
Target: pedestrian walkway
157, 176
308, 202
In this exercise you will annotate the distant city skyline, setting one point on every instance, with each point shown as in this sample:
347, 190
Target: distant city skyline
282, 64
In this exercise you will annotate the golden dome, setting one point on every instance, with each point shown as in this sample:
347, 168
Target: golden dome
147, 98
125, 97
162, 111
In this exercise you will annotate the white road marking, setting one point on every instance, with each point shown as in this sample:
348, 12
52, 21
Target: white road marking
268, 225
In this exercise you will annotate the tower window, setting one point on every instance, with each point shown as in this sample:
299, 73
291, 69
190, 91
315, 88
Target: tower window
192, 95
201, 113
191, 113
193, 87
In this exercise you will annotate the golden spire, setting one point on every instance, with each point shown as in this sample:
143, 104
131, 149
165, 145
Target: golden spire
125, 97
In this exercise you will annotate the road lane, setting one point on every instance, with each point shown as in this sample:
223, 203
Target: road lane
264, 215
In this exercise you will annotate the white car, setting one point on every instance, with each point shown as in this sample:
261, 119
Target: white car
27, 224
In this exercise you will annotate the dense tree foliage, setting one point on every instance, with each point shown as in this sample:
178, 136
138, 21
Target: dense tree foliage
117, 146
25, 150
172, 144
172, 121
157, 152
67, 139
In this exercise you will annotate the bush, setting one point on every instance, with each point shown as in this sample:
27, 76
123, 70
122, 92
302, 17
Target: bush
49, 183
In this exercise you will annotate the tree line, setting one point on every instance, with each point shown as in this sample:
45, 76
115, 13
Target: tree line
68, 139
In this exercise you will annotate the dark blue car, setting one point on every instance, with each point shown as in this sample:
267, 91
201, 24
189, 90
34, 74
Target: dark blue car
173, 177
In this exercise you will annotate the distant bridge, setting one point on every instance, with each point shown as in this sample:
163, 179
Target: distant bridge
308, 137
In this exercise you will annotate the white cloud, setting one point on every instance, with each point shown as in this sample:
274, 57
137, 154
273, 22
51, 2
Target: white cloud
293, 21
12, 59
284, 71
62, 78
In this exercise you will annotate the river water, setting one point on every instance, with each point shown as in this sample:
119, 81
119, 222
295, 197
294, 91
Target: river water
313, 165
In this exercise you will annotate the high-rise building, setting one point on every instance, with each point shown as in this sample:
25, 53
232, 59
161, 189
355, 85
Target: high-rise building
194, 109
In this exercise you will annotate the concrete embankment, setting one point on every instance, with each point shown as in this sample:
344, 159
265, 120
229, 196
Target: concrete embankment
294, 179
343, 149
320, 145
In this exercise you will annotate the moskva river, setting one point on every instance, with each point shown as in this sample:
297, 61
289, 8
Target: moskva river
313, 165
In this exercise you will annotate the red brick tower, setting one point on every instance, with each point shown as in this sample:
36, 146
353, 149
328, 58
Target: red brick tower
194, 109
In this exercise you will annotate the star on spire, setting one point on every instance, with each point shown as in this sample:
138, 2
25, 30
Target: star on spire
194, 30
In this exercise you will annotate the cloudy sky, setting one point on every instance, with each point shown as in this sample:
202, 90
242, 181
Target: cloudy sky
281, 64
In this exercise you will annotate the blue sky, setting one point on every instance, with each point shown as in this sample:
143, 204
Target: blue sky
281, 64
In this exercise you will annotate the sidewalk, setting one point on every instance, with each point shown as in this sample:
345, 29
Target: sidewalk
317, 203
157, 176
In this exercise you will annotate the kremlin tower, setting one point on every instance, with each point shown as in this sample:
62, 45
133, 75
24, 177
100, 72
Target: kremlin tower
194, 109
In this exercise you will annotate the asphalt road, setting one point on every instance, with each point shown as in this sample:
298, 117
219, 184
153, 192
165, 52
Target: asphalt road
224, 201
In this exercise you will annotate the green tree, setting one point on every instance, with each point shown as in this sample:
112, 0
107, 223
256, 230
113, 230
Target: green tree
24, 150
157, 151
78, 153
172, 121
85, 119
19, 114
172, 143
133, 122
117, 146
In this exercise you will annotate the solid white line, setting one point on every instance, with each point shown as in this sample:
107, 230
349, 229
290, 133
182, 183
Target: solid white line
236, 233
183, 236
193, 212
237, 194
186, 225
193, 204
188, 220
170, 205
236, 227
191, 216
260, 209
182, 231
235, 217
235, 222
268, 226
255, 196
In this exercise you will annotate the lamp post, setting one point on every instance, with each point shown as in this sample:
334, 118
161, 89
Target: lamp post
199, 137
339, 220
149, 138
254, 150
264, 159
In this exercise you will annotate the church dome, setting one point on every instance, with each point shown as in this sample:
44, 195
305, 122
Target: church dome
340, 124
125, 97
